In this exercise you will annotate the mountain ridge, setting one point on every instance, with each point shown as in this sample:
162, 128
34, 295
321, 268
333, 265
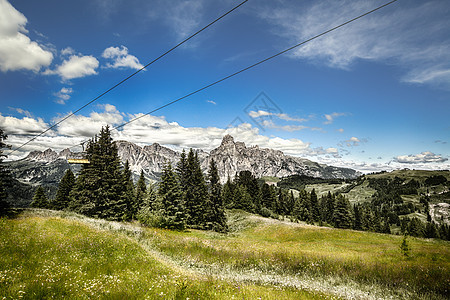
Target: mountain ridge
231, 157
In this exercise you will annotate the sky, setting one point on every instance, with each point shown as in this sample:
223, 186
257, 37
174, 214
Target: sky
373, 95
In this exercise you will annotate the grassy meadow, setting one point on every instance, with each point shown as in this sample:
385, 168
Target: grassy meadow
45, 254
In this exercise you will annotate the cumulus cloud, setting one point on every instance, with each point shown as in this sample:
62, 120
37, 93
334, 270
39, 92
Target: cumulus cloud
421, 158
25, 126
63, 95
421, 27
121, 58
330, 117
17, 50
75, 67
88, 126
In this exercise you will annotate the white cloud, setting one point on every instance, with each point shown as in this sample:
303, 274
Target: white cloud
67, 51
290, 128
282, 116
17, 51
24, 126
422, 158
353, 142
184, 17
211, 101
22, 111
87, 127
330, 117
413, 35
121, 58
76, 67
63, 95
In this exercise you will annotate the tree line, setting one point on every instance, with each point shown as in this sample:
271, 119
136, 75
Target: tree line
185, 197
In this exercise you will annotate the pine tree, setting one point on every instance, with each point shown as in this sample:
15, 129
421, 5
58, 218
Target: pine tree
66, 184
98, 190
331, 203
431, 230
182, 171
314, 206
415, 227
128, 195
40, 199
172, 210
342, 213
247, 180
228, 194
5, 177
404, 247
215, 215
196, 193
357, 225
268, 196
140, 194
305, 211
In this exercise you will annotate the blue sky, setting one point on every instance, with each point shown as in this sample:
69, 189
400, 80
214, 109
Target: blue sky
373, 95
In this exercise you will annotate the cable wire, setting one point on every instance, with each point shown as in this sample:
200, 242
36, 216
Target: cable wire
254, 65
130, 76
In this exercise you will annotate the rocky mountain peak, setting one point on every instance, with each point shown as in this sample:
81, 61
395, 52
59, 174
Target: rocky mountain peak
47, 155
228, 139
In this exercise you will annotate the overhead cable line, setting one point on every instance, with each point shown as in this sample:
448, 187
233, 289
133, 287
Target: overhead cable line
129, 77
254, 65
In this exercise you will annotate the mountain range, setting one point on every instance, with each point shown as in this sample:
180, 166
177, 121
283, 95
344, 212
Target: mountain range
47, 167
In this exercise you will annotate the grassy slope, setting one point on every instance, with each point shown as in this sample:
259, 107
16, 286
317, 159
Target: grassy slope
260, 258
50, 257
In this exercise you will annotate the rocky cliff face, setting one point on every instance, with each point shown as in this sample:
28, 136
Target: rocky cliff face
231, 157
47, 167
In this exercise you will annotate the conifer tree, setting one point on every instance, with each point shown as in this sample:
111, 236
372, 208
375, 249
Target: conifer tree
357, 225
40, 199
196, 193
182, 171
128, 193
314, 206
228, 194
98, 190
215, 216
140, 194
66, 185
268, 196
342, 213
172, 210
305, 210
4, 176
331, 202
247, 180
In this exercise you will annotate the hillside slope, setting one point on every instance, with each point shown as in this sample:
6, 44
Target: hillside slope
262, 256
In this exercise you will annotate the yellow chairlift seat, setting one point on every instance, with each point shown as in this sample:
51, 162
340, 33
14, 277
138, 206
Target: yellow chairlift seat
78, 161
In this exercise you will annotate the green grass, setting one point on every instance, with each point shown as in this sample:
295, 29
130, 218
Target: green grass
411, 174
45, 257
45, 254
360, 193
342, 256
323, 188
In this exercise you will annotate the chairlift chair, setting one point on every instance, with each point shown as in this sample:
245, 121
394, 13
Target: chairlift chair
79, 160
